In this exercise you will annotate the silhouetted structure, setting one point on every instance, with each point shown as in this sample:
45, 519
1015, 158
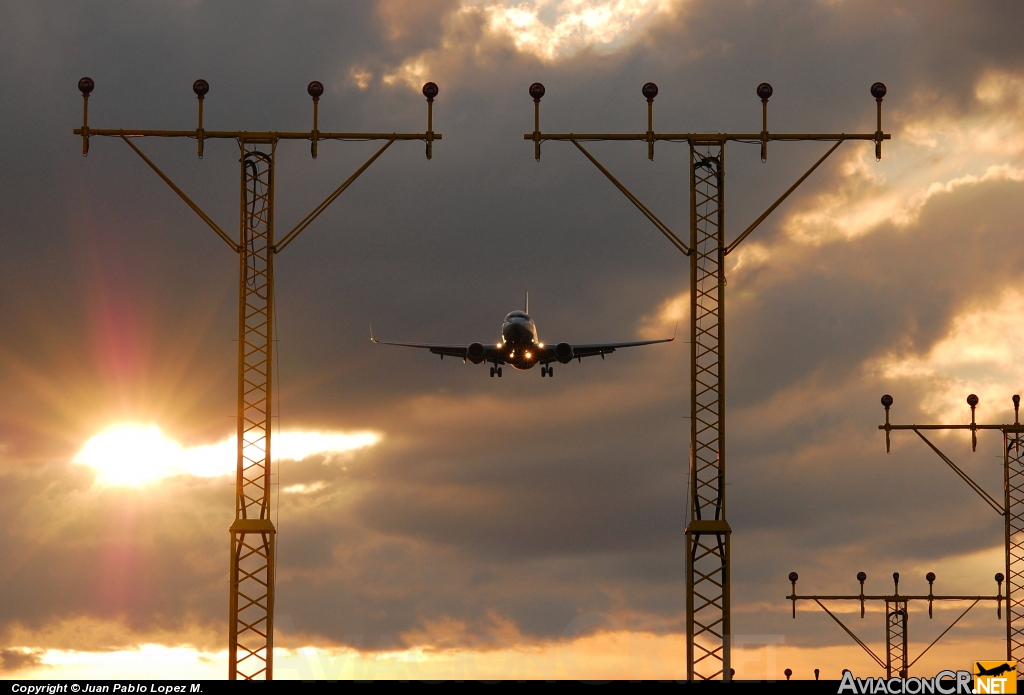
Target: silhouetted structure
253, 553
896, 654
708, 621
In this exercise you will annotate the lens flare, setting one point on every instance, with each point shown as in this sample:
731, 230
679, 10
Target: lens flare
130, 454
135, 455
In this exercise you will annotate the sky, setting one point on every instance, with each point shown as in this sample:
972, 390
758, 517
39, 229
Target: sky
438, 523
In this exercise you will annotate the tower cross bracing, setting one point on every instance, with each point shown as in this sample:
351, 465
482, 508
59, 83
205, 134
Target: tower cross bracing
1011, 508
708, 572
253, 534
708, 618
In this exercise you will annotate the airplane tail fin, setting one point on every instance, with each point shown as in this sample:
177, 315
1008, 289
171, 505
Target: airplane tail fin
527, 309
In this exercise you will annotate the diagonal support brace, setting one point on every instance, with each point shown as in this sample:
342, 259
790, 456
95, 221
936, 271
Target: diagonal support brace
661, 227
778, 202
188, 201
966, 478
853, 636
943, 634
279, 246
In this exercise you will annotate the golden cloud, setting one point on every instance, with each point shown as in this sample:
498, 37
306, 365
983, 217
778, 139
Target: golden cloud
934, 151
547, 30
982, 352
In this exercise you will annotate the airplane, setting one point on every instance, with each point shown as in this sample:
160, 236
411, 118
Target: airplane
520, 347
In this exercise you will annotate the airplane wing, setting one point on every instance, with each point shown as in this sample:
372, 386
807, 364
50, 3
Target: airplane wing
461, 351
450, 350
580, 351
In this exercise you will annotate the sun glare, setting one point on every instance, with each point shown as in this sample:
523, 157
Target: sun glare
135, 455
553, 30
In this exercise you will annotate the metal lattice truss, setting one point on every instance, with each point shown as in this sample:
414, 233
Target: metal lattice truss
897, 661
707, 535
1013, 451
252, 635
254, 329
1011, 509
895, 639
252, 542
251, 627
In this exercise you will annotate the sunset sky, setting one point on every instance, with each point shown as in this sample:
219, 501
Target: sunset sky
435, 522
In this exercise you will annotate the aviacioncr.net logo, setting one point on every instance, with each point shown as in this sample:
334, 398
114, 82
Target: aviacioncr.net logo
944, 683
995, 677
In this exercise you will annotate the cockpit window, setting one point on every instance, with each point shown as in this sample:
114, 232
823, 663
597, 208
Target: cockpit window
517, 315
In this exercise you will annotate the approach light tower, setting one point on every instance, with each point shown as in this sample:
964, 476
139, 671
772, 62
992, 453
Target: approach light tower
708, 625
1011, 508
897, 661
251, 627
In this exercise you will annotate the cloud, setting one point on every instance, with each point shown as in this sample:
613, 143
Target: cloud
979, 354
935, 150
545, 30
14, 660
495, 514
573, 24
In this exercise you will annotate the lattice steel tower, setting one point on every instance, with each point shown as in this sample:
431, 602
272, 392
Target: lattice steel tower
1011, 508
897, 660
253, 536
1013, 468
707, 534
707, 582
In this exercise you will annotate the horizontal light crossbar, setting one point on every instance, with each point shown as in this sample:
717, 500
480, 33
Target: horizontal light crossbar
251, 136
715, 138
895, 597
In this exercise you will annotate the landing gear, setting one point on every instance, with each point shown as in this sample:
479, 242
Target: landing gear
547, 371
496, 370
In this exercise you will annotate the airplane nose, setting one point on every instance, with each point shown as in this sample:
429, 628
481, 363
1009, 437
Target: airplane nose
516, 332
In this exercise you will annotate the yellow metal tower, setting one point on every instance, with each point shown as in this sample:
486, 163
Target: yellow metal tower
1011, 508
253, 536
709, 568
897, 660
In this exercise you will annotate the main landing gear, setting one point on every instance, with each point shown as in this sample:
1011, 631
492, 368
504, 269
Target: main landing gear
496, 370
547, 371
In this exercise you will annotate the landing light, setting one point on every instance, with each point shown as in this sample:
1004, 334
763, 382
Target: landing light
540, 344
528, 355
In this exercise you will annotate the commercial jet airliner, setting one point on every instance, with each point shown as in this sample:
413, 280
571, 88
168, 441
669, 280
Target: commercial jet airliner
520, 347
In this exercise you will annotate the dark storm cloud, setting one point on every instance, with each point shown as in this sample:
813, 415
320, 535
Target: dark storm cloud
520, 499
73, 551
899, 295
16, 660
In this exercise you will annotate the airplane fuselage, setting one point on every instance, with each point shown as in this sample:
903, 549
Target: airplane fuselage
519, 342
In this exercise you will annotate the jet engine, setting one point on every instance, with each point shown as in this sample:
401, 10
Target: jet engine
563, 352
475, 353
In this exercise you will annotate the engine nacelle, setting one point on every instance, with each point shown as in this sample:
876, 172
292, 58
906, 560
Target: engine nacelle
475, 353
563, 352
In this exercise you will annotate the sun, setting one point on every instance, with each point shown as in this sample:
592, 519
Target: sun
131, 454
135, 455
